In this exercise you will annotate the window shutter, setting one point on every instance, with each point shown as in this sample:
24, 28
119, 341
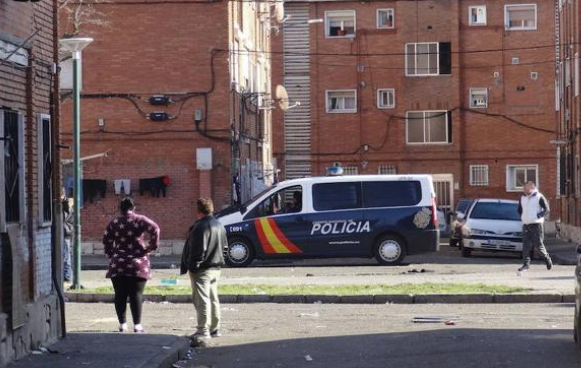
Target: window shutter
449, 126
445, 58
2, 177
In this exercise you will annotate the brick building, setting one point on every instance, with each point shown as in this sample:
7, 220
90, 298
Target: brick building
463, 90
30, 312
204, 64
569, 116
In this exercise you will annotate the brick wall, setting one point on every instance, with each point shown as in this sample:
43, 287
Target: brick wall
27, 88
503, 134
166, 48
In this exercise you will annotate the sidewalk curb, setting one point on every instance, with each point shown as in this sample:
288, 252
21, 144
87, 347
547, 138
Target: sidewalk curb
166, 358
540, 298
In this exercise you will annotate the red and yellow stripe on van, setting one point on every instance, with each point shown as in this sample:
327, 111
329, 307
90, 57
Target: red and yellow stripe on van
272, 239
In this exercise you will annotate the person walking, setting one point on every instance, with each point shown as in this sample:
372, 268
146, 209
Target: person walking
129, 264
67, 237
202, 259
533, 207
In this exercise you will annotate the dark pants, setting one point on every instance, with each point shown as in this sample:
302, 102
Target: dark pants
533, 236
132, 288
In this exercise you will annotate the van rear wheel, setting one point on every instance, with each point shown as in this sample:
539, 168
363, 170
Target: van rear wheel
390, 250
240, 252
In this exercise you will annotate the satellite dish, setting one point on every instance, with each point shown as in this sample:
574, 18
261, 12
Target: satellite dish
282, 97
279, 11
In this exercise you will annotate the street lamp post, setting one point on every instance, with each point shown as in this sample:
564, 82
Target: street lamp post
76, 46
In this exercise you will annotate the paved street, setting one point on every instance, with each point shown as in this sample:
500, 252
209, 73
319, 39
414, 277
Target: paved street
266, 335
446, 266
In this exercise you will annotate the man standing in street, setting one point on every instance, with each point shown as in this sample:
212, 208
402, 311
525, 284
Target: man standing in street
203, 258
533, 207
67, 236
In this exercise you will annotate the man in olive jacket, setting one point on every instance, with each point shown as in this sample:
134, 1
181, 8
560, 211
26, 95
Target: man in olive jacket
203, 258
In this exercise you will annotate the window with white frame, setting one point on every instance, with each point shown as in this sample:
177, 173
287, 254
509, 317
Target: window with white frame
428, 127
385, 19
520, 17
478, 98
12, 168
428, 58
342, 101
477, 15
576, 73
340, 23
386, 98
350, 170
518, 175
235, 55
479, 175
245, 69
386, 170
44, 169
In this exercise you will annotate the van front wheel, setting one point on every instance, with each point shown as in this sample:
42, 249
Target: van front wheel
390, 250
240, 252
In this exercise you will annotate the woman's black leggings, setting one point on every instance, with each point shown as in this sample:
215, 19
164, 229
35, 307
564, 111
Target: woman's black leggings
132, 288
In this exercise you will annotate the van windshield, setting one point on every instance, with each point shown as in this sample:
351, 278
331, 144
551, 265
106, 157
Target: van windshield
495, 211
257, 197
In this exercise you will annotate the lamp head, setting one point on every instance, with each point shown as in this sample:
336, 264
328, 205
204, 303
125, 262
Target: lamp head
75, 44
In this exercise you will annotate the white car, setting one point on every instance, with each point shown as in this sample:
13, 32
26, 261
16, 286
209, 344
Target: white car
492, 225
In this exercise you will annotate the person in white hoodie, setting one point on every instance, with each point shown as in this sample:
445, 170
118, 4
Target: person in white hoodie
533, 207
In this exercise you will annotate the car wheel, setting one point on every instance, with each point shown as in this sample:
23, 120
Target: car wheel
390, 250
466, 252
240, 252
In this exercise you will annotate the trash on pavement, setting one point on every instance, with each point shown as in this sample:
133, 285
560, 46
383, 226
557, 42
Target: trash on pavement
435, 319
450, 323
166, 347
308, 358
169, 281
311, 315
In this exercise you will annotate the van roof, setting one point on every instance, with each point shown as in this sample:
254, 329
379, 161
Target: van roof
338, 179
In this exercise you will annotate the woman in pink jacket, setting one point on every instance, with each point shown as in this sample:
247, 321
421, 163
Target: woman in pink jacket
129, 265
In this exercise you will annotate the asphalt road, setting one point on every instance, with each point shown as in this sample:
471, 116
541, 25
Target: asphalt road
444, 267
266, 335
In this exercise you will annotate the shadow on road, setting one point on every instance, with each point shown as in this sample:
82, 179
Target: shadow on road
449, 348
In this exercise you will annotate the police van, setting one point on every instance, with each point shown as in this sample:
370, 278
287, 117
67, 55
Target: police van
381, 216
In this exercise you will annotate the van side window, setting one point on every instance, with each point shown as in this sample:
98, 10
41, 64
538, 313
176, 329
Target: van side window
288, 200
391, 193
336, 196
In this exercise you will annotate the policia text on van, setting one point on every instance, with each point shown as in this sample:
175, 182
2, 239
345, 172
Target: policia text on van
381, 216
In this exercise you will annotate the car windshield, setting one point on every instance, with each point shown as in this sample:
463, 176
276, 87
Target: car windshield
463, 205
495, 211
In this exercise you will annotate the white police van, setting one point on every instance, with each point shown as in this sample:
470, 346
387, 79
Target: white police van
381, 216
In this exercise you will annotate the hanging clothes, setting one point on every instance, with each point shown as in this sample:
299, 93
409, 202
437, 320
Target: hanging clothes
155, 186
92, 188
122, 186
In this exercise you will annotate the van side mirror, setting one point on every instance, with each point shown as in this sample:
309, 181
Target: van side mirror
243, 210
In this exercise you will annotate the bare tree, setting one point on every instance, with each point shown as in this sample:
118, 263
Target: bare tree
79, 13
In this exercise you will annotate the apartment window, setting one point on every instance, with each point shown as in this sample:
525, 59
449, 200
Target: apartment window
386, 98
477, 15
479, 175
350, 170
428, 58
386, 170
428, 127
518, 175
235, 55
520, 17
340, 23
342, 101
245, 69
478, 98
385, 19
44, 169
11, 167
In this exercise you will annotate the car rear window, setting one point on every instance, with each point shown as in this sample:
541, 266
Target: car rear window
495, 211
391, 193
336, 196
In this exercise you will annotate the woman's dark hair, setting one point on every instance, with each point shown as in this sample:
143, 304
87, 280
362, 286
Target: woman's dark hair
126, 205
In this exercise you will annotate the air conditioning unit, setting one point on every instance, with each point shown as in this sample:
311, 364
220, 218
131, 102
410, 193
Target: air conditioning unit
479, 102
